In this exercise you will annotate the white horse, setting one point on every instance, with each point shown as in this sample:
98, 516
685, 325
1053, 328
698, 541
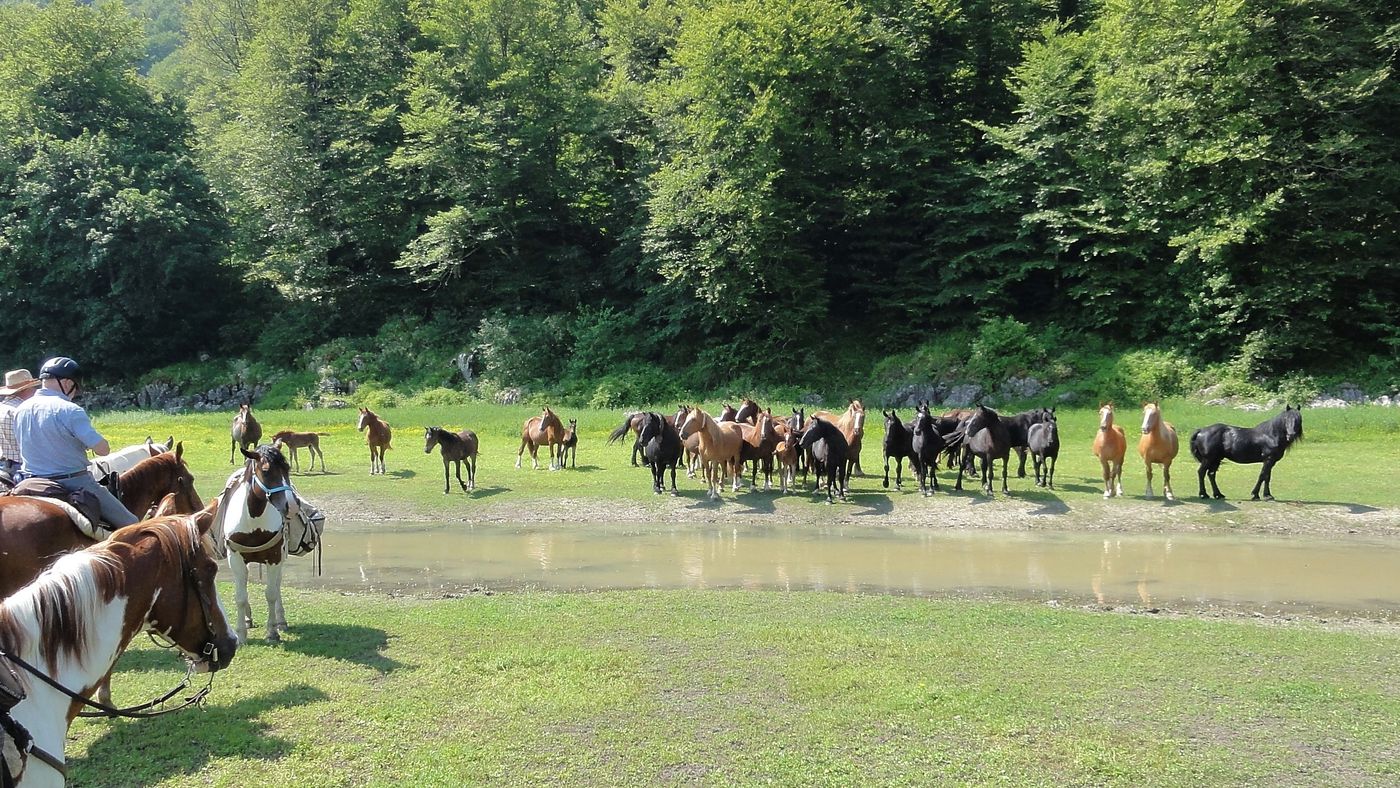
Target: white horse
261, 520
70, 625
123, 460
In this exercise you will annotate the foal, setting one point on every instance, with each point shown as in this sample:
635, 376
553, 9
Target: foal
455, 447
311, 441
378, 435
1110, 446
246, 432
569, 446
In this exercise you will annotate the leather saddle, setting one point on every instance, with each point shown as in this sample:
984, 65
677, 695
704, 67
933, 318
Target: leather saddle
82, 500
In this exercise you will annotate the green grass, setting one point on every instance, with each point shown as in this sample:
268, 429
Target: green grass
1348, 458
740, 688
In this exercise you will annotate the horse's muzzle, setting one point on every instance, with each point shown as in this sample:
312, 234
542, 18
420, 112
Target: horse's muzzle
217, 655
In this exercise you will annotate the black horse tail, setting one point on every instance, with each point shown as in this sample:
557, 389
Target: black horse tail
616, 435
1197, 450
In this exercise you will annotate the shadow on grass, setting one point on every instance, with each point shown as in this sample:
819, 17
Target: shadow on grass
402, 474
871, 503
346, 642
757, 502
1354, 508
584, 468
487, 492
148, 751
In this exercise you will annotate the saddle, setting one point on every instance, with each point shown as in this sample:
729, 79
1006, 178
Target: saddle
82, 505
14, 738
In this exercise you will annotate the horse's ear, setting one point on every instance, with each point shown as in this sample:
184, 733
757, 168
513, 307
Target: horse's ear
250, 454
179, 449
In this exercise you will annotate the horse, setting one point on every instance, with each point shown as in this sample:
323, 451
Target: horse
986, 438
1266, 443
569, 446
455, 447
1158, 444
1110, 446
544, 429
246, 431
747, 413
63, 632
719, 446
257, 523
1044, 439
852, 425
123, 460
311, 441
826, 448
690, 444
630, 422
661, 448
925, 443
760, 441
788, 454
378, 435
899, 444
1018, 429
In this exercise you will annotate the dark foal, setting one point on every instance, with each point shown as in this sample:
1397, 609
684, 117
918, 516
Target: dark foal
455, 447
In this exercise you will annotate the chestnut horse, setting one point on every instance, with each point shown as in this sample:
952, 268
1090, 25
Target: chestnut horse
245, 432
545, 429
455, 447
378, 435
719, 446
71, 623
1158, 444
631, 422
311, 441
1110, 446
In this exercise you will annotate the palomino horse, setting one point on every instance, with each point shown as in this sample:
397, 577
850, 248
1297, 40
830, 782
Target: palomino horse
661, 448
71, 623
569, 446
1266, 443
852, 426
455, 447
719, 446
1158, 444
258, 512
378, 435
245, 432
545, 429
1110, 446
311, 441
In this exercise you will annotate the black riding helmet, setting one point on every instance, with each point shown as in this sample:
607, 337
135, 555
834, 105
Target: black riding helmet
59, 367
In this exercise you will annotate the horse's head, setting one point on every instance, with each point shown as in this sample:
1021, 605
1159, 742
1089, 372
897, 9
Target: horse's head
186, 609
923, 421
1106, 416
1150, 416
365, 415
692, 423
891, 419
798, 420
153, 478
430, 439
858, 423
651, 427
728, 413
270, 477
1292, 424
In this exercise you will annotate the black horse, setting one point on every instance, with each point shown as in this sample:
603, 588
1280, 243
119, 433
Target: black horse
458, 447
796, 423
1265, 443
927, 443
1018, 429
899, 443
661, 448
826, 449
985, 437
1044, 439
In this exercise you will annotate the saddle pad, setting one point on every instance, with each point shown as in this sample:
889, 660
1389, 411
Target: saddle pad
83, 524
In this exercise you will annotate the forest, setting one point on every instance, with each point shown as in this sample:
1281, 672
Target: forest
678, 194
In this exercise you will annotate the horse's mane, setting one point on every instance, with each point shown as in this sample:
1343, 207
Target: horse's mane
55, 608
273, 456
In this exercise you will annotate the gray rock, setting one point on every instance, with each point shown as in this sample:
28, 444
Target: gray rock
1020, 388
812, 398
1252, 406
1383, 400
1351, 393
962, 396
509, 396
1327, 402
1217, 401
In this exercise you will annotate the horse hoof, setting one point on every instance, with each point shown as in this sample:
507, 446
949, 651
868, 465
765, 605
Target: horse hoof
1219, 496
273, 637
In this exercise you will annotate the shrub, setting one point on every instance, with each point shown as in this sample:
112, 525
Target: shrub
375, 397
521, 349
438, 397
1002, 348
1152, 375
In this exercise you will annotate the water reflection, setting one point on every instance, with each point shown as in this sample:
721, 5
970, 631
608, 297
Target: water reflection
1336, 576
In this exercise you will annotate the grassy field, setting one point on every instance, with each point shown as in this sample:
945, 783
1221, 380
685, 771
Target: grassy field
744, 688
1345, 466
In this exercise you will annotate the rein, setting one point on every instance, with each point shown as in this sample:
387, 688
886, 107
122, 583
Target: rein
103, 710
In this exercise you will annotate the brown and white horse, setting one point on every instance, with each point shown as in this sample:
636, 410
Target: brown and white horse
543, 430
1110, 446
719, 446
245, 431
74, 620
378, 435
1158, 444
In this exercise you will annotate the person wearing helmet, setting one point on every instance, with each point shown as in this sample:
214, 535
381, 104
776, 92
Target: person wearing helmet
55, 433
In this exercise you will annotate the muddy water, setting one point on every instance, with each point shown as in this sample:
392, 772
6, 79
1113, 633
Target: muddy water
1341, 577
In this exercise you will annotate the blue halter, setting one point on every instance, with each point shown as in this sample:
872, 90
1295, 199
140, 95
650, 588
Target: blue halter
268, 491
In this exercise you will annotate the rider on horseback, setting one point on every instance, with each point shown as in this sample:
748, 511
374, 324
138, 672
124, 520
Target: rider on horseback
19, 386
54, 434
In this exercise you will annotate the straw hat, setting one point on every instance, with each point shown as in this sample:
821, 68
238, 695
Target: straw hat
17, 380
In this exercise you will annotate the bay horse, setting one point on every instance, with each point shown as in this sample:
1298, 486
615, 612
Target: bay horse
826, 449
926, 443
1110, 446
545, 429
852, 425
761, 439
661, 447
690, 444
747, 413
311, 441
1266, 443
986, 439
455, 447
71, 623
719, 446
899, 444
245, 432
258, 521
378, 435
1044, 439
1158, 444
568, 447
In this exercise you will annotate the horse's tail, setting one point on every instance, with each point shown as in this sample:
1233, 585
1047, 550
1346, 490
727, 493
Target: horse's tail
1197, 450
617, 434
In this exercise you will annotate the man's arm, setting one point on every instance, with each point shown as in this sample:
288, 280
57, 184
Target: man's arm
101, 448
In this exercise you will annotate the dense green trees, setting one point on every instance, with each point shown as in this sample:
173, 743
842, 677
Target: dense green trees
694, 177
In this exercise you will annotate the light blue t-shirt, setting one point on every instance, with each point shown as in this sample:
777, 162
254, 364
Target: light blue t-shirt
54, 435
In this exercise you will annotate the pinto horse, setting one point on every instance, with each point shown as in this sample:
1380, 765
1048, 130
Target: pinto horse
545, 429
719, 446
826, 448
1110, 446
71, 623
246, 431
311, 441
123, 460
1266, 443
378, 435
455, 447
257, 522
1158, 444
661, 448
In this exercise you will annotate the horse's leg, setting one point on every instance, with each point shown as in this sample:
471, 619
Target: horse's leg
1005, 461
446, 478
1167, 481
1214, 468
1050, 479
1149, 477
458, 471
1264, 474
521, 452
276, 616
1107, 467
1118, 477
244, 611
1021, 471
1201, 477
